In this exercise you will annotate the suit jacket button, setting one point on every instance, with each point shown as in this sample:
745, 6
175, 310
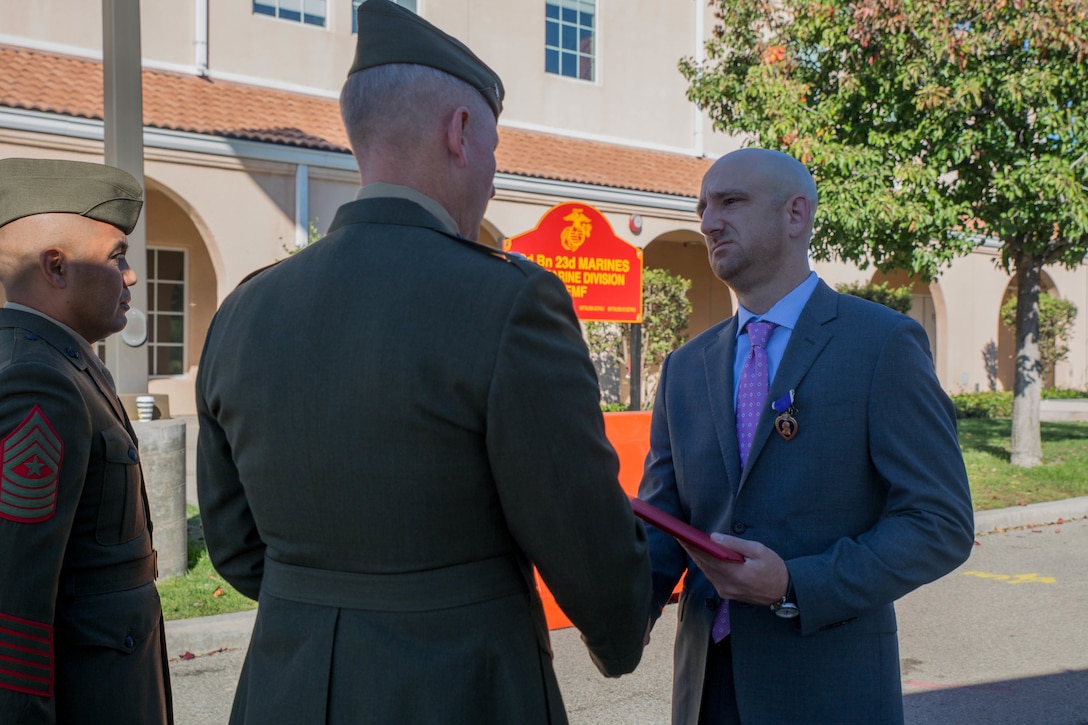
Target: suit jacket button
740, 527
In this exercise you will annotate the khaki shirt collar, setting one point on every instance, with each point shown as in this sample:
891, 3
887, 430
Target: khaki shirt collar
381, 189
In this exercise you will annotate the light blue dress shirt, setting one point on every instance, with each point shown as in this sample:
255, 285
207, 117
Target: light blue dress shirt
784, 314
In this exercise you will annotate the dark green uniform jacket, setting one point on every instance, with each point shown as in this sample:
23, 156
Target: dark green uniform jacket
81, 634
394, 423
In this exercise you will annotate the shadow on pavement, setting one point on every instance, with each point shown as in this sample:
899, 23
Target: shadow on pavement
1055, 699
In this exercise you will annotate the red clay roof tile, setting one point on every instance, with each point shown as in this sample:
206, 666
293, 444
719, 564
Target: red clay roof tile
70, 86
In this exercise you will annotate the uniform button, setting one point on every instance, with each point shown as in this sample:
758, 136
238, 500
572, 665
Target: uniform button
129, 642
72, 352
132, 453
31, 336
740, 527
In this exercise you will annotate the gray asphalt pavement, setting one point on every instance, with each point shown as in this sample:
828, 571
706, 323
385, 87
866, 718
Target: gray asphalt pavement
999, 641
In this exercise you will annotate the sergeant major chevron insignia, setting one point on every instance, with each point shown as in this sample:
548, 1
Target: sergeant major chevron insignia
30, 458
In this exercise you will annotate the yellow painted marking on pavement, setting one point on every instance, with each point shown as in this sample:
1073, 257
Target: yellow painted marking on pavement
1013, 578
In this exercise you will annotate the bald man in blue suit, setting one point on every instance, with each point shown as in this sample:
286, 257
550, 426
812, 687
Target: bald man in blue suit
853, 492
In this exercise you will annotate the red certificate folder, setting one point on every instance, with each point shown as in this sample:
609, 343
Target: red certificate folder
684, 532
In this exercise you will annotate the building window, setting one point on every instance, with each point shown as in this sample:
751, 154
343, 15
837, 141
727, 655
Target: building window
568, 38
310, 12
410, 4
165, 312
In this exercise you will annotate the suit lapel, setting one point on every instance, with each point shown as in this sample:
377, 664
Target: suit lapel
718, 368
807, 340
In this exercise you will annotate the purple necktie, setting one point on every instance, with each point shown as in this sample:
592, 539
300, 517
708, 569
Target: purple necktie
751, 395
752, 391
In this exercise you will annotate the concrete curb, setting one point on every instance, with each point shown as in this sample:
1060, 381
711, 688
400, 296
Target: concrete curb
1036, 514
1069, 409
201, 635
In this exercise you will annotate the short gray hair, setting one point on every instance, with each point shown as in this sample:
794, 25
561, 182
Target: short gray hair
398, 101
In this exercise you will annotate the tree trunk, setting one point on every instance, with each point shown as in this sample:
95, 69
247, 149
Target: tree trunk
1027, 447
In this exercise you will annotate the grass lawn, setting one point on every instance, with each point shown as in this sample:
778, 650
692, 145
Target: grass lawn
201, 592
996, 484
985, 443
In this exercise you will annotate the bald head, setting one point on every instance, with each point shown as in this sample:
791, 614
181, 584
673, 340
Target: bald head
22, 240
757, 209
774, 169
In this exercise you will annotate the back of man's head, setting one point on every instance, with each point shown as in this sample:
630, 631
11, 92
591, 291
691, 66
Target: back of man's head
420, 110
393, 107
406, 77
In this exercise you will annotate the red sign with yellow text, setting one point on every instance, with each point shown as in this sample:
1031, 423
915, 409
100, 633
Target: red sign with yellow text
602, 272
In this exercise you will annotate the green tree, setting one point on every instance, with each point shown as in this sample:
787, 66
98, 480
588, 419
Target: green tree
665, 313
1056, 317
930, 127
898, 299
312, 235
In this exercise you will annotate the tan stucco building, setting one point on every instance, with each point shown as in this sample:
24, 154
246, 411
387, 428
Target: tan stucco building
244, 150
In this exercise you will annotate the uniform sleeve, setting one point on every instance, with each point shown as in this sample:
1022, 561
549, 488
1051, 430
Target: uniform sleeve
234, 544
45, 438
557, 476
927, 527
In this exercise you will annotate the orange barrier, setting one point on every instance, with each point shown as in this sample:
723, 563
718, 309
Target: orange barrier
629, 434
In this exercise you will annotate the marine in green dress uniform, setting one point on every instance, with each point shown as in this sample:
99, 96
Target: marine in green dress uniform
81, 633
397, 423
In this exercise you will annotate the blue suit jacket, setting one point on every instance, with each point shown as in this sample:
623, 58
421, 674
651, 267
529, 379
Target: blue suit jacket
868, 501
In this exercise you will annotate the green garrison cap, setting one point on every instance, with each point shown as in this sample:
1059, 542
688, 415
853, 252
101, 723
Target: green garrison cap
43, 186
389, 33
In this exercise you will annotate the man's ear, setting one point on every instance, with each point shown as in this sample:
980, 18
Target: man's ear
53, 264
457, 135
799, 209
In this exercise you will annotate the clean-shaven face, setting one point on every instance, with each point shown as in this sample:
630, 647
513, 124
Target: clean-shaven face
97, 277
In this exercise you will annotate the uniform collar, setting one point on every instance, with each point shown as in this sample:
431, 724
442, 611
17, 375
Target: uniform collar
86, 349
381, 189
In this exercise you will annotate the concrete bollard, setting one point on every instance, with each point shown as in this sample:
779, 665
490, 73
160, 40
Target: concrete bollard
162, 456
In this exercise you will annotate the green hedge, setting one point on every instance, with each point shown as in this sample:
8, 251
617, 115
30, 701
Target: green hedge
999, 405
1063, 393
983, 405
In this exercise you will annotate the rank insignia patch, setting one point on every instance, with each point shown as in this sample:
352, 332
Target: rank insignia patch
26, 656
30, 458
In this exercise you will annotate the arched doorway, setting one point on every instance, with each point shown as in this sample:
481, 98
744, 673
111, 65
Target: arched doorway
683, 253
1004, 367
923, 306
181, 291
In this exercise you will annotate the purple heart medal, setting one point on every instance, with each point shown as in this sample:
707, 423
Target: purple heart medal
785, 423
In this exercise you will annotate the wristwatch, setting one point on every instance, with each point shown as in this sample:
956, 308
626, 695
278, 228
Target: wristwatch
786, 608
